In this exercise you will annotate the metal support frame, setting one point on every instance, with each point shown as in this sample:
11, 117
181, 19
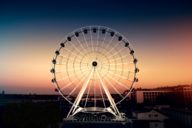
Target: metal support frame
112, 109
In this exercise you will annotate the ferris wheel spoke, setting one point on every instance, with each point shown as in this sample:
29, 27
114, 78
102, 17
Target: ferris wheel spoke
104, 37
79, 52
82, 62
113, 48
116, 53
95, 93
112, 102
85, 38
102, 95
110, 69
121, 77
118, 64
114, 70
75, 61
81, 92
79, 67
76, 86
117, 91
60, 57
118, 82
64, 87
109, 42
91, 39
107, 61
67, 58
79, 42
72, 52
123, 71
97, 40
87, 96
117, 58
72, 69
69, 76
86, 67
81, 72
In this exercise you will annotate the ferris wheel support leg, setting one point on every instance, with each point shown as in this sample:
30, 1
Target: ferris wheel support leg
113, 109
75, 107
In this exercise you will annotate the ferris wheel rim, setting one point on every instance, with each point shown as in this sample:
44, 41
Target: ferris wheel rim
64, 41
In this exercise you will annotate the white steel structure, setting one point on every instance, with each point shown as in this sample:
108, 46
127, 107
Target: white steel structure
92, 68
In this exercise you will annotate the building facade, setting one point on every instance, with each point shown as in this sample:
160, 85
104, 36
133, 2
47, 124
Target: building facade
169, 95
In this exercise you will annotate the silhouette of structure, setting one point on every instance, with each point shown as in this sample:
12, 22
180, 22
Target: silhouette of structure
90, 65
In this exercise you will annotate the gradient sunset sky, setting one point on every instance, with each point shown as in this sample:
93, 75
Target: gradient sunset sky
160, 32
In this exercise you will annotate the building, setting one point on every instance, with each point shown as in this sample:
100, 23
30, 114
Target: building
16, 98
149, 115
149, 119
183, 94
148, 95
179, 95
181, 116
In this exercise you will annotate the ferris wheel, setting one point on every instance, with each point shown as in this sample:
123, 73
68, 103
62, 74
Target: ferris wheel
92, 68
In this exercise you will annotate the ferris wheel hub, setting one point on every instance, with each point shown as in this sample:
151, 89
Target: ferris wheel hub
94, 63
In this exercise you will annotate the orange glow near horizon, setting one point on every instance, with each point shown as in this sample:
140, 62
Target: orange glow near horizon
167, 61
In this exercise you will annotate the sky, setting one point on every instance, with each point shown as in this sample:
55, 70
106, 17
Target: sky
159, 31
